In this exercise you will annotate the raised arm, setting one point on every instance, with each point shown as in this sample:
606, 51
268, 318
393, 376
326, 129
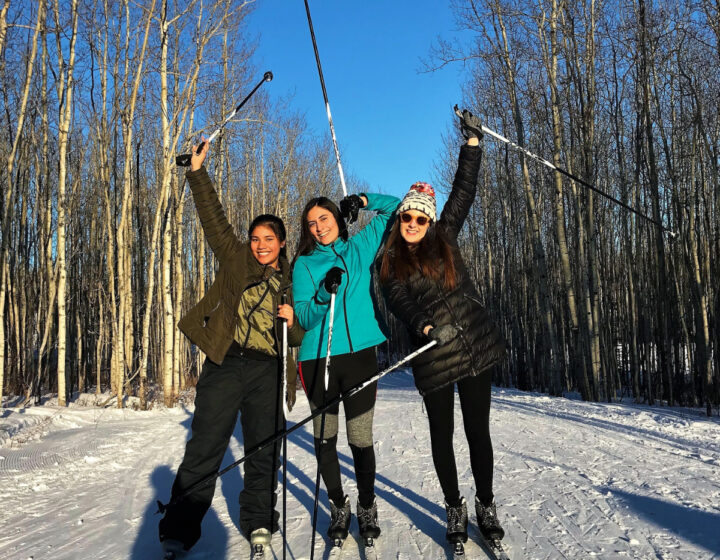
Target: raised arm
463, 191
218, 231
368, 239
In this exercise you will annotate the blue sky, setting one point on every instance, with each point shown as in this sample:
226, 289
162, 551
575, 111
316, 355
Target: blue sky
388, 117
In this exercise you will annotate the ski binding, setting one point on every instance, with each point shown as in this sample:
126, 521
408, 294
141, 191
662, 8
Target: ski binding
370, 550
494, 548
337, 549
458, 551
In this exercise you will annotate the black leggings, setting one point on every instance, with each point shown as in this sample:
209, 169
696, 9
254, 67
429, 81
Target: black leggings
346, 371
475, 403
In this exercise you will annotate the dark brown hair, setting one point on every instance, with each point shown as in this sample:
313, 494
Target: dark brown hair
306, 244
275, 224
433, 257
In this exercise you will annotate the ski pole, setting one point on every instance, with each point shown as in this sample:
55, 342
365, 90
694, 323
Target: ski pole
325, 97
273, 438
322, 423
286, 413
183, 160
569, 175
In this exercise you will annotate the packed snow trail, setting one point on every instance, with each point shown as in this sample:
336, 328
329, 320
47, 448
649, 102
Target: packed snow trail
572, 480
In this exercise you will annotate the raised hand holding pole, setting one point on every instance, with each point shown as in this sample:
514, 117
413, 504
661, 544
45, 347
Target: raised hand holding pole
569, 175
183, 160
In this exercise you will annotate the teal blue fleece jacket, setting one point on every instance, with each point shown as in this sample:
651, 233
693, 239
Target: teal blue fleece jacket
356, 321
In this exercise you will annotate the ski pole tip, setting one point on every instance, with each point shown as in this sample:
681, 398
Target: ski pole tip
268, 76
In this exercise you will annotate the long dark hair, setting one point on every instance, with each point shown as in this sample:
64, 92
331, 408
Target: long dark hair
275, 224
433, 257
306, 244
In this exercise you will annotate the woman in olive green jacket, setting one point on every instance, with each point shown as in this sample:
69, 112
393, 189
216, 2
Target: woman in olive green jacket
237, 325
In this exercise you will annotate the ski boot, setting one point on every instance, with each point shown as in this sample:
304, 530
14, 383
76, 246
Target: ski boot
259, 540
339, 520
369, 529
172, 549
456, 534
457, 521
368, 521
488, 521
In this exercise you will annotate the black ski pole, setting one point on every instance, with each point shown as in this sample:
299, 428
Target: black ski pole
183, 160
273, 438
325, 97
285, 415
569, 175
322, 424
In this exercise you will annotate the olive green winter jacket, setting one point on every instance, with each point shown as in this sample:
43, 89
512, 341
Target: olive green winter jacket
211, 323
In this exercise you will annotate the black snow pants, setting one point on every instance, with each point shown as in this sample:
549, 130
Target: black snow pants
251, 387
475, 405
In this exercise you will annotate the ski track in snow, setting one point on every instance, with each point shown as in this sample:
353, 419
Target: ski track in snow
572, 480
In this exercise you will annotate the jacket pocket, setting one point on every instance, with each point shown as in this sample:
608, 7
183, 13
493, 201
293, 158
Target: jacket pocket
220, 319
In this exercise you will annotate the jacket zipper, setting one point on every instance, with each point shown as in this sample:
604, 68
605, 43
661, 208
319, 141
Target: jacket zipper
458, 325
347, 271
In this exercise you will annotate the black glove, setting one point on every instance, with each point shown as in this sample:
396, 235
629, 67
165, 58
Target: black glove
333, 278
470, 125
443, 334
350, 206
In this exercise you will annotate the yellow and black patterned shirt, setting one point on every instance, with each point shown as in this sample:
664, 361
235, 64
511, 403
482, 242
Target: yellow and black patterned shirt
256, 314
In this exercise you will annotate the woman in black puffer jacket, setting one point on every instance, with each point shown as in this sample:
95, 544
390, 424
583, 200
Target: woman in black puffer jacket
427, 286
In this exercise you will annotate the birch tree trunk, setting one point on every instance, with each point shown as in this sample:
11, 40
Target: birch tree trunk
550, 351
124, 320
65, 94
577, 367
645, 69
9, 166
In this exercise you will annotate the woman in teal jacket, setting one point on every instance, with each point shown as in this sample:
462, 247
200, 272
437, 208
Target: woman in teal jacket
328, 261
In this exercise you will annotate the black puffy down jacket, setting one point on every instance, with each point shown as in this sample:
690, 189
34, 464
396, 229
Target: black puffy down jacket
420, 301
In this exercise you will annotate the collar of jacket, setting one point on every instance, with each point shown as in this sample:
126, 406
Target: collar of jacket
257, 272
337, 245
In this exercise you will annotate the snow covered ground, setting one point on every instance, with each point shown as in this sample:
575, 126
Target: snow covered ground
572, 479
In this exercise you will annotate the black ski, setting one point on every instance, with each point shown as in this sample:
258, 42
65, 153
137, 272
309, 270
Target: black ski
493, 548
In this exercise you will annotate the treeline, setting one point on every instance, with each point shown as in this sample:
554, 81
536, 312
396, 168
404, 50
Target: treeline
625, 95
101, 249
101, 246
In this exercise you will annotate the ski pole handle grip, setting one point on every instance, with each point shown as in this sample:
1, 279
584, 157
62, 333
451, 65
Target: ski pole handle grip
183, 160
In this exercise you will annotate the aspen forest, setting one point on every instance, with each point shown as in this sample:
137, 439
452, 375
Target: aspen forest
102, 251
626, 96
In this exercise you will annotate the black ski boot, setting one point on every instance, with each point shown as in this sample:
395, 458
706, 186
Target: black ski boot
488, 521
339, 520
368, 521
173, 549
457, 521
